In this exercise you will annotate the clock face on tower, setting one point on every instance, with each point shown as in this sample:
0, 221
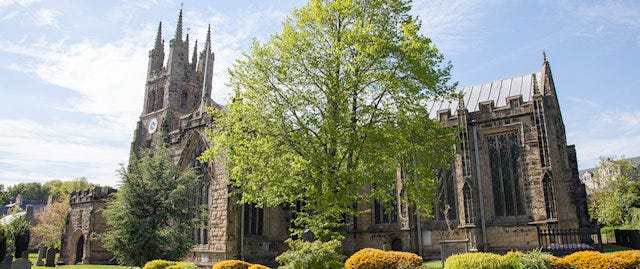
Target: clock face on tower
153, 125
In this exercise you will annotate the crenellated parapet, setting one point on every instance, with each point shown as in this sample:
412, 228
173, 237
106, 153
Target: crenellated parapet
90, 195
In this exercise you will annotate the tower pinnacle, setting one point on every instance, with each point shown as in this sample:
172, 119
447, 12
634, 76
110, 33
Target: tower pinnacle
208, 42
179, 28
194, 58
158, 44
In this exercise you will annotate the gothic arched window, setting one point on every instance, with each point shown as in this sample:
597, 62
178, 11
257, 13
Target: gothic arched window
505, 156
468, 203
201, 197
549, 198
446, 195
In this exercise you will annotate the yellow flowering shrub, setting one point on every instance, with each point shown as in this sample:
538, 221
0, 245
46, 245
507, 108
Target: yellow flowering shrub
630, 258
479, 260
593, 260
370, 258
231, 264
258, 266
158, 264
183, 265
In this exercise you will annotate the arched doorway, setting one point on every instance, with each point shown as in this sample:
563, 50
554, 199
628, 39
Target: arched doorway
396, 244
79, 250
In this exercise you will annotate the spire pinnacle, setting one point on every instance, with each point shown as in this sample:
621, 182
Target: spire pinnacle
536, 90
544, 56
461, 105
194, 58
208, 42
179, 28
158, 44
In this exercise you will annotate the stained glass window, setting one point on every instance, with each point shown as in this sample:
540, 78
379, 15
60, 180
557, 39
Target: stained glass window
505, 156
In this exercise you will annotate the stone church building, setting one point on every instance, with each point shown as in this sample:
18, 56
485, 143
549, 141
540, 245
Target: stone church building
514, 170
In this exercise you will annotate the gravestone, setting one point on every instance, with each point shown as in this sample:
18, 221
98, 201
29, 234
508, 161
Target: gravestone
51, 257
22, 263
42, 250
450, 247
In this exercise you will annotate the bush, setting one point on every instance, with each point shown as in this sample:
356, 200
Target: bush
593, 259
158, 264
534, 259
478, 260
311, 255
370, 258
3, 243
231, 264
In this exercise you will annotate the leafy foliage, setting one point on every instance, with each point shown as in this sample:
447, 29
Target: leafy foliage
312, 255
615, 200
332, 104
21, 238
151, 214
3, 242
51, 222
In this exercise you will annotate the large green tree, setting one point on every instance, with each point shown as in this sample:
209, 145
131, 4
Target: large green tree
151, 216
615, 196
334, 105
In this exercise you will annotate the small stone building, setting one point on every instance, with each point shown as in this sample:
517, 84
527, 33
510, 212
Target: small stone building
84, 221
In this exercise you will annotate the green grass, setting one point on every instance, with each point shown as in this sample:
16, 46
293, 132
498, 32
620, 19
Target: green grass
86, 266
34, 256
433, 264
609, 248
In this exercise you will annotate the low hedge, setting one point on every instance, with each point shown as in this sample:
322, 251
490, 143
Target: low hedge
629, 259
479, 260
162, 264
370, 258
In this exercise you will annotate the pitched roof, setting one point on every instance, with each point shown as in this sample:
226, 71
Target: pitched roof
496, 91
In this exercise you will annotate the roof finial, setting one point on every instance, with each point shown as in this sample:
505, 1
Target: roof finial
179, 28
158, 44
544, 56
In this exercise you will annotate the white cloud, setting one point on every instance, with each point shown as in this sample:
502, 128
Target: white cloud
46, 17
453, 25
607, 133
617, 12
60, 150
24, 3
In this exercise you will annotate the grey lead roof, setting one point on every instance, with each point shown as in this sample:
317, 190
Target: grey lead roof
497, 91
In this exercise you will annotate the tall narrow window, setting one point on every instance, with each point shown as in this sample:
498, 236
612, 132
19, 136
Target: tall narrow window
468, 203
151, 102
446, 196
183, 99
505, 156
160, 99
200, 198
253, 220
385, 215
549, 198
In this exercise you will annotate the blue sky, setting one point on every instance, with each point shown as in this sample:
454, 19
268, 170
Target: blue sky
72, 73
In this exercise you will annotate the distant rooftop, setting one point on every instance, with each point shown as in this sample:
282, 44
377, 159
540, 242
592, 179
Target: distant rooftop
496, 91
634, 160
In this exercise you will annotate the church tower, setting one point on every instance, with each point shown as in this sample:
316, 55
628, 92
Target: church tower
174, 89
